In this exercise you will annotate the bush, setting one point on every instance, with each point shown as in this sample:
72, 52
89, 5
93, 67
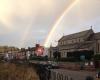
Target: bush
97, 57
39, 58
70, 59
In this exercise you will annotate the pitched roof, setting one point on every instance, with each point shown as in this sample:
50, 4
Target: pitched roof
76, 35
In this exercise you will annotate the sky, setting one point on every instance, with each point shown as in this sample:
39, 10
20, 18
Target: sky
23, 23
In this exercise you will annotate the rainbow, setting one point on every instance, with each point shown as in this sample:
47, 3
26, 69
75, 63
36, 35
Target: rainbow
26, 33
54, 27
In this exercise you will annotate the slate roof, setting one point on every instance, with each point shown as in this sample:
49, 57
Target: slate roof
76, 35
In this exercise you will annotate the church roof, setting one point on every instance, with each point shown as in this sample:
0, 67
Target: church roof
76, 35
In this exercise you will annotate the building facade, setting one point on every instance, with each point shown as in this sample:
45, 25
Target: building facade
51, 50
82, 43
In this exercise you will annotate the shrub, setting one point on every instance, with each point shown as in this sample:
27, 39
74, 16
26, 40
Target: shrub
70, 59
39, 58
97, 57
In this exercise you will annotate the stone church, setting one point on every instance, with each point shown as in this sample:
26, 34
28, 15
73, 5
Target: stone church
85, 42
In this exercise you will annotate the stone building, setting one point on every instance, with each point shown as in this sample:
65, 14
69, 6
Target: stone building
51, 50
85, 42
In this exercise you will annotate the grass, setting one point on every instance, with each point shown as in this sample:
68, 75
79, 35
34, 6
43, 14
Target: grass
10, 71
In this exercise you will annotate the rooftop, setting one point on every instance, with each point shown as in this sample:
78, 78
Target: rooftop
76, 35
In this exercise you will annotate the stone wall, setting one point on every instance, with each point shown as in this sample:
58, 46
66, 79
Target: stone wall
71, 75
